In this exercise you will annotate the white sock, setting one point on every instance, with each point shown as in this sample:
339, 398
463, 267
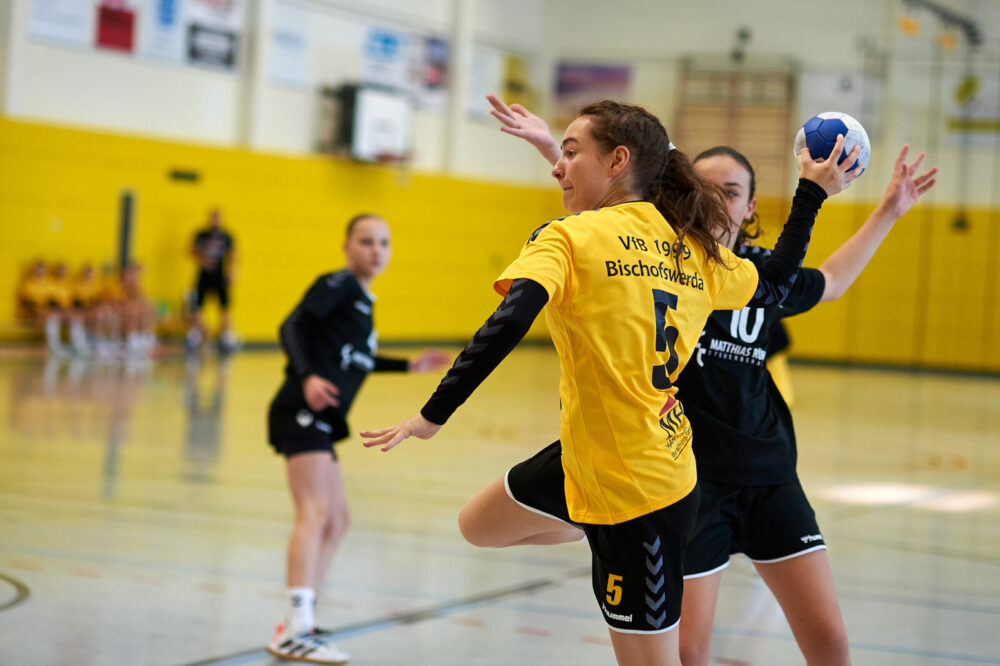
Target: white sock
78, 336
300, 610
53, 332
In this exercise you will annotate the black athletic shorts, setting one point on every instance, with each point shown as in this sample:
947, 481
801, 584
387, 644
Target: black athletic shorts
209, 282
767, 523
637, 565
294, 428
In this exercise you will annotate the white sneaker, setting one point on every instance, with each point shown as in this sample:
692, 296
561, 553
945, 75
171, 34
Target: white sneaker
307, 646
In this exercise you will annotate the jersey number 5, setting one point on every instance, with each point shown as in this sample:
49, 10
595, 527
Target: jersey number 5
666, 338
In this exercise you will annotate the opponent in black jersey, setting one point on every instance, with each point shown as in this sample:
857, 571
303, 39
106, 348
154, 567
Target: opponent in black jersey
215, 253
744, 441
331, 346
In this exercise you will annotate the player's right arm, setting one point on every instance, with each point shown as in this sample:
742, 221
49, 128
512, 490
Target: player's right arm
494, 340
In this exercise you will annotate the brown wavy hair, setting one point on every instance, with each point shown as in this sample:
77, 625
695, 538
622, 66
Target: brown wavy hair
693, 206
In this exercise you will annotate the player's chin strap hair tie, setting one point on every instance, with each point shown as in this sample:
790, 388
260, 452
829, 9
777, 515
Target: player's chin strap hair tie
671, 146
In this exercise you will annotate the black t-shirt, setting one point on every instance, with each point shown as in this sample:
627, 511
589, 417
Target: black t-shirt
330, 333
742, 428
215, 245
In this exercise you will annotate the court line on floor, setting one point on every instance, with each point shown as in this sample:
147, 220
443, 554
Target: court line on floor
21, 592
410, 617
869, 647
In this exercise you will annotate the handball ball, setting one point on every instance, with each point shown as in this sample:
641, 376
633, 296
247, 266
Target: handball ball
820, 133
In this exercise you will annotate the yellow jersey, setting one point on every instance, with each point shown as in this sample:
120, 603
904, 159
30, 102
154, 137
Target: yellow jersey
112, 290
625, 322
87, 292
61, 292
35, 291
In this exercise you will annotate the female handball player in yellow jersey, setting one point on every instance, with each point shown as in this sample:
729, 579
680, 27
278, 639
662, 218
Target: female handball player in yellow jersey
627, 283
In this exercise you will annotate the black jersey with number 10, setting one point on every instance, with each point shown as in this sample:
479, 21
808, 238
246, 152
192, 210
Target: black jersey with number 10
742, 428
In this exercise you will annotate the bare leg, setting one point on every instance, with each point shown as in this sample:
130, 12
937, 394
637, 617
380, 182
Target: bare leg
337, 525
804, 587
223, 321
697, 616
646, 649
195, 330
318, 493
492, 519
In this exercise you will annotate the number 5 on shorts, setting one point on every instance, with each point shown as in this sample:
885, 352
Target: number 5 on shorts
614, 590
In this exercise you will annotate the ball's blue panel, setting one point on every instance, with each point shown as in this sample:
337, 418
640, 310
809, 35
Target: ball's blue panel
830, 128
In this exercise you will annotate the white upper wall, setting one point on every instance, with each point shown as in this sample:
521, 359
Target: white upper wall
654, 36
250, 108
104, 89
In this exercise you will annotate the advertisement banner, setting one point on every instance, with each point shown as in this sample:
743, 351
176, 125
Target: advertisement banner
289, 53
211, 47
384, 58
162, 34
429, 75
581, 84
214, 28
67, 21
115, 25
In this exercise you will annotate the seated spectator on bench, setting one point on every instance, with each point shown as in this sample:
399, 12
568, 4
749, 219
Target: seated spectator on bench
138, 313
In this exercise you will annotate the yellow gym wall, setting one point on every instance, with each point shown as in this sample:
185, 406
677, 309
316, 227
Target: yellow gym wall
930, 297
59, 199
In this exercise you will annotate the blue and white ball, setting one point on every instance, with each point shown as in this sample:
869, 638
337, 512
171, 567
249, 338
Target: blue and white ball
820, 134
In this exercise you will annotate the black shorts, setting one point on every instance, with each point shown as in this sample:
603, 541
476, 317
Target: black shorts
636, 566
212, 282
294, 428
767, 523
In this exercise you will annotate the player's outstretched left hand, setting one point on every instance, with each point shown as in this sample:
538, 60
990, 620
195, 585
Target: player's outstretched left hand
904, 188
415, 426
430, 360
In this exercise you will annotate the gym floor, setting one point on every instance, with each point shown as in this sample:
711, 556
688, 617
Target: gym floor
143, 520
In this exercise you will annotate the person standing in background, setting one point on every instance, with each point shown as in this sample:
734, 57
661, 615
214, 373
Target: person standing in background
214, 250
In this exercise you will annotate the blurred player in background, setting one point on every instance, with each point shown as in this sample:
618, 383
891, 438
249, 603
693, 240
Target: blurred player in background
108, 315
86, 300
331, 345
32, 293
138, 314
59, 309
215, 253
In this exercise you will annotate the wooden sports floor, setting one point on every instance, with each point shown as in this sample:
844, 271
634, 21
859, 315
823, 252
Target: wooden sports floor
143, 520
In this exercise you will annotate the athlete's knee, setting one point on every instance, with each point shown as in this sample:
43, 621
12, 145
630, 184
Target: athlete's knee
475, 531
337, 523
832, 647
693, 653
313, 515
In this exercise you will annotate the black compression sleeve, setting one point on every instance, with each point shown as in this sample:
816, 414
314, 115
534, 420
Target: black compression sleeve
293, 340
778, 275
491, 343
387, 364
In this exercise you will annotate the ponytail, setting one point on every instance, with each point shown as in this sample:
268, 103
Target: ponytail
693, 206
